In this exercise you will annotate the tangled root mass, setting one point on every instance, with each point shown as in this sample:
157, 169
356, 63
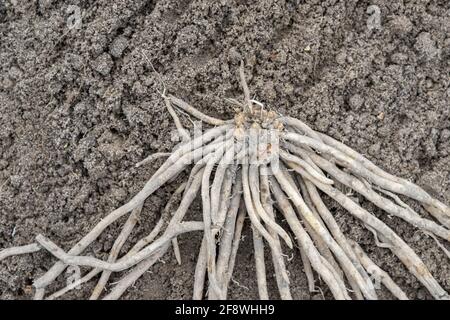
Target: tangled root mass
263, 166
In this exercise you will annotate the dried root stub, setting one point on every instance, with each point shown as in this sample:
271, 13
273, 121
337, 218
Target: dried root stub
266, 167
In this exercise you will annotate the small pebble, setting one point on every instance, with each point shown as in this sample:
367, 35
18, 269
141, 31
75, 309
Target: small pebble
374, 149
16, 181
426, 47
356, 101
118, 46
399, 58
401, 25
341, 58
103, 64
80, 108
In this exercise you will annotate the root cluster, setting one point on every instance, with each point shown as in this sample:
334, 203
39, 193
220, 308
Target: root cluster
265, 167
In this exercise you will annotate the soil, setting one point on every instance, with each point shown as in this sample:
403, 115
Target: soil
80, 106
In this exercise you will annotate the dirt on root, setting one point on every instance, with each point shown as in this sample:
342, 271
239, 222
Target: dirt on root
79, 107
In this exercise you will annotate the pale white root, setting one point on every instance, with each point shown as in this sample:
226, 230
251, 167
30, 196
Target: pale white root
340, 255
254, 216
120, 241
304, 241
258, 244
184, 134
139, 245
226, 239
88, 261
236, 241
247, 103
128, 280
14, 251
379, 201
209, 234
309, 202
436, 208
117, 246
307, 269
152, 158
278, 261
260, 265
318, 240
200, 271
397, 245
336, 232
378, 272
176, 163
199, 115
404, 187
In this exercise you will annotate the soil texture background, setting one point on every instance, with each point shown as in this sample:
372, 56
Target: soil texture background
79, 107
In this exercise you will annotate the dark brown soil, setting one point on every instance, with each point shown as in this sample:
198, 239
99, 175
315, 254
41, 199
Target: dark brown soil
79, 107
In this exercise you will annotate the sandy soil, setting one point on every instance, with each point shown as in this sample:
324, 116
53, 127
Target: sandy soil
79, 107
